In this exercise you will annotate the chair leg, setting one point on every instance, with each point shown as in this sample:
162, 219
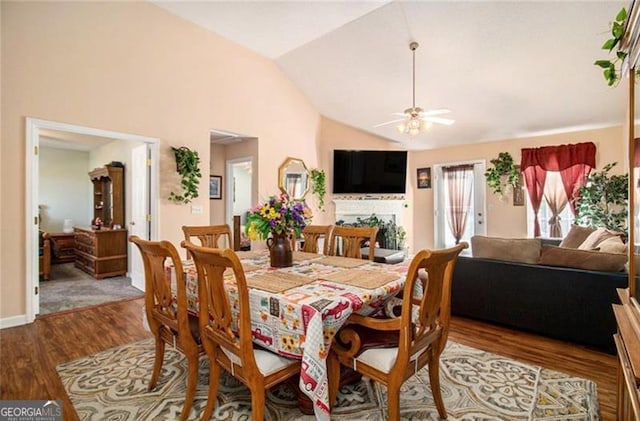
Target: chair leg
157, 363
333, 374
434, 379
257, 403
393, 401
214, 379
192, 383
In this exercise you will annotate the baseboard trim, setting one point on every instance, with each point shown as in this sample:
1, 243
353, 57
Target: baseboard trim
13, 321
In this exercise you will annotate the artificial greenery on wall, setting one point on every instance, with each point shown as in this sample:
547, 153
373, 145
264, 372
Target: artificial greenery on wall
611, 68
187, 163
318, 186
604, 200
503, 173
390, 236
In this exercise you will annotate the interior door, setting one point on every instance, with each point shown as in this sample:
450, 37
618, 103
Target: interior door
139, 223
476, 222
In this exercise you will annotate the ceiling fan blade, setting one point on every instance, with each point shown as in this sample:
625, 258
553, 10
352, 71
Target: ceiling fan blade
439, 120
389, 122
434, 112
399, 114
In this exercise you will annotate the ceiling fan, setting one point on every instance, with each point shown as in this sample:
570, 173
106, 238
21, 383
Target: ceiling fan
415, 118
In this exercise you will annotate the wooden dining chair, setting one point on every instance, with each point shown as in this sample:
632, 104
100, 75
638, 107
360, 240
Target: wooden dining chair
207, 234
352, 240
312, 233
231, 350
414, 339
169, 323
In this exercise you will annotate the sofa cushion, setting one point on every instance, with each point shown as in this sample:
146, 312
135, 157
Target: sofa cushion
613, 245
596, 237
582, 259
576, 236
523, 250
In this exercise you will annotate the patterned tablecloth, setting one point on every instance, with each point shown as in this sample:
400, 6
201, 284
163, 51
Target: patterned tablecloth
300, 322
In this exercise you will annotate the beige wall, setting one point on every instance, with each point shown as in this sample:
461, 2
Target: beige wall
134, 68
64, 188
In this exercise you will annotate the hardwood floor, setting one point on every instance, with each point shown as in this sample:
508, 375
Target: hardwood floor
29, 354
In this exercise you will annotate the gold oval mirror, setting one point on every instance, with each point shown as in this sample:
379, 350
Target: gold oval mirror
293, 178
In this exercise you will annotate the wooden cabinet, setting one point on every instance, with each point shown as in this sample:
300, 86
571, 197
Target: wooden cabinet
63, 247
108, 194
101, 253
627, 344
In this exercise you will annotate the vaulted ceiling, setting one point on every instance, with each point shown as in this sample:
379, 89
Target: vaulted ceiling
504, 69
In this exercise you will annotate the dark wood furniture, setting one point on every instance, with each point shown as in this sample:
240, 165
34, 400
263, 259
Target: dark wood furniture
108, 194
44, 261
169, 324
627, 344
627, 314
63, 247
101, 253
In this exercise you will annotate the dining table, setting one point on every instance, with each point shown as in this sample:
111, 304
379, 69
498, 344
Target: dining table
296, 311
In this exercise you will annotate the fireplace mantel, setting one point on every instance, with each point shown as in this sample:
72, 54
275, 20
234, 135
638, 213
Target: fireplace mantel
349, 209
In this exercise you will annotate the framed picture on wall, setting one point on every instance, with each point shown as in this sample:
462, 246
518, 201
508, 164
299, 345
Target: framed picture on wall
424, 178
215, 187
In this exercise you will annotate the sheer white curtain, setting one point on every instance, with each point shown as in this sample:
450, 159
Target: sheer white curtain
459, 180
556, 197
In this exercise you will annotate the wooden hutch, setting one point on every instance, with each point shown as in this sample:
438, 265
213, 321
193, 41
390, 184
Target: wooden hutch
101, 250
627, 339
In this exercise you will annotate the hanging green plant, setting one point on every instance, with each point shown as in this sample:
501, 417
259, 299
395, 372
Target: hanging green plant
503, 173
187, 163
318, 186
612, 68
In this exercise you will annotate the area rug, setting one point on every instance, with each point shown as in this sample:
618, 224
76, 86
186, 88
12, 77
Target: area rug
476, 385
71, 288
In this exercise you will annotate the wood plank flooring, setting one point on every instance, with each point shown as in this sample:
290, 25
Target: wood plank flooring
29, 354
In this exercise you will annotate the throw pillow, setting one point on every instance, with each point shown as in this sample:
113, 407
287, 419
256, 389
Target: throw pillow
576, 236
597, 237
613, 245
582, 259
522, 250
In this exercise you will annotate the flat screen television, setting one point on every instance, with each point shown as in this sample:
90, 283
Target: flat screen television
369, 172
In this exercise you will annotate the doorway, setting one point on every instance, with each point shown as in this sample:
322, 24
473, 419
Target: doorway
475, 208
35, 129
240, 187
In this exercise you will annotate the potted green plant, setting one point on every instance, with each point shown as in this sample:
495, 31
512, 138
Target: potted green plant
604, 200
187, 163
318, 186
503, 173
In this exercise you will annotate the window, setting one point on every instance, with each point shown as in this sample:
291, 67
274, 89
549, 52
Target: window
553, 181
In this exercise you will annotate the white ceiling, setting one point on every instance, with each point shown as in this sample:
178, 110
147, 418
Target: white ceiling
66, 140
505, 69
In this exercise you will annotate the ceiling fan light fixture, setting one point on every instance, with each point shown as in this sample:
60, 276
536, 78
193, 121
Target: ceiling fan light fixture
416, 119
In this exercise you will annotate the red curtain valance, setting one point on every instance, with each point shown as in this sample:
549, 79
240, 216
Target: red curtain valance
560, 157
573, 162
